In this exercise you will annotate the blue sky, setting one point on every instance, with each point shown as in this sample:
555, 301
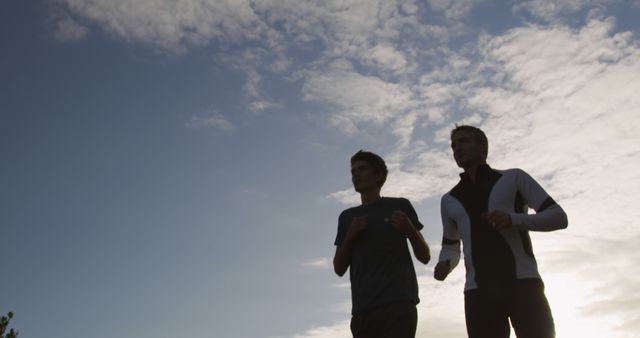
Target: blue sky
176, 168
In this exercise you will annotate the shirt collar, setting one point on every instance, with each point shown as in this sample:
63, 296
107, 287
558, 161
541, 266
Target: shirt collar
481, 173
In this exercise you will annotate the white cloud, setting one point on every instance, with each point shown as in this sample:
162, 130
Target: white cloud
358, 99
347, 196
178, 24
342, 286
386, 57
318, 263
338, 330
374, 34
409, 8
252, 89
216, 121
590, 283
559, 10
260, 105
67, 29
172, 25
453, 9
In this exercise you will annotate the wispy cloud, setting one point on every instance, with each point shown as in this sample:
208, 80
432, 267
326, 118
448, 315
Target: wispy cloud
339, 330
318, 263
69, 30
345, 285
371, 34
171, 25
453, 9
558, 11
385, 56
358, 99
253, 92
215, 121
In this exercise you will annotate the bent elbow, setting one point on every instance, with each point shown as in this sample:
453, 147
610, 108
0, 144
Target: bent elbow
338, 269
564, 223
425, 259
558, 219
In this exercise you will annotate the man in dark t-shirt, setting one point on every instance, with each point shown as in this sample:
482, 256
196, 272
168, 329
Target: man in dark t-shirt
372, 243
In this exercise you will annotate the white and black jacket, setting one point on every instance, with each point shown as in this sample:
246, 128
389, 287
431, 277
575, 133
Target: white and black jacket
493, 257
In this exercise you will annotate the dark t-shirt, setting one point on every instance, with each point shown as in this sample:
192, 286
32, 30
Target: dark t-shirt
381, 270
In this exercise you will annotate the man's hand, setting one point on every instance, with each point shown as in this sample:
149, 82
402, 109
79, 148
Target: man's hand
498, 220
402, 223
441, 271
358, 224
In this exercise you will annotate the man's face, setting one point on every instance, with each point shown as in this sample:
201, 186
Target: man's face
466, 150
363, 176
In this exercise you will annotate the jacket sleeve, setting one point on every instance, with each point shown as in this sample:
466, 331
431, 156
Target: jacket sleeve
450, 236
549, 215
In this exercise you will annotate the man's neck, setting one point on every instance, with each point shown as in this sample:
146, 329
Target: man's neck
471, 171
369, 197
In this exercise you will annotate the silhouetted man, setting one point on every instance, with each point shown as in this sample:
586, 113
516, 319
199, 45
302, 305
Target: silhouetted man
372, 243
487, 210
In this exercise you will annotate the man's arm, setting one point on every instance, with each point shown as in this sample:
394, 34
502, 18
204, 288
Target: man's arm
403, 223
420, 247
342, 257
549, 215
450, 252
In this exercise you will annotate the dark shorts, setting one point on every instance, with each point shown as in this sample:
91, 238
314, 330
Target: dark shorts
395, 320
488, 311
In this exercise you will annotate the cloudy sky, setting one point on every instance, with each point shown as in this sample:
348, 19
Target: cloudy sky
175, 168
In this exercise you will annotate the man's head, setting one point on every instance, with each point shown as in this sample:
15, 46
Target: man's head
470, 146
368, 171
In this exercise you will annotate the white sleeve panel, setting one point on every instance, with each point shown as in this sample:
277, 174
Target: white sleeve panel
549, 216
450, 237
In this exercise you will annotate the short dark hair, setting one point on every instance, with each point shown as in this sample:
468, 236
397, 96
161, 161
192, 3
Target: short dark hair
478, 135
375, 161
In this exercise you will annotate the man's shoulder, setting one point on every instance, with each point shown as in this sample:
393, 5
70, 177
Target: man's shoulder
514, 175
452, 191
511, 171
349, 210
396, 201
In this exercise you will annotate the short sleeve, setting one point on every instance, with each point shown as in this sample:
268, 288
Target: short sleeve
411, 212
342, 229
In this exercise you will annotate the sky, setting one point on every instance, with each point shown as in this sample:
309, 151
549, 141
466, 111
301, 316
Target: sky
176, 168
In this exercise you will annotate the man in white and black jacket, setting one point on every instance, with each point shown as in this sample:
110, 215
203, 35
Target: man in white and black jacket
487, 211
